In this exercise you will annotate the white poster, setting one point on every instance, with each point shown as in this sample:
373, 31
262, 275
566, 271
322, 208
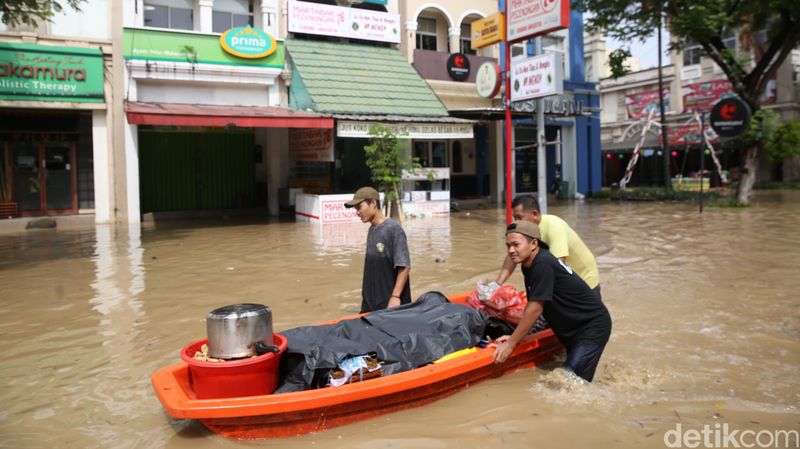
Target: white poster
327, 20
539, 76
530, 18
311, 144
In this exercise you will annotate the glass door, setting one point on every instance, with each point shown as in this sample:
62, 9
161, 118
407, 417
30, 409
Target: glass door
60, 178
27, 187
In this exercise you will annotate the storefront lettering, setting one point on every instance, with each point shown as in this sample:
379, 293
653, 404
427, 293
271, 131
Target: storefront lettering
560, 105
335, 211
11, 70
409, 130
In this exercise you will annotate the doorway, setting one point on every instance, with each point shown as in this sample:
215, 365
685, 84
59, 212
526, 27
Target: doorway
43, 177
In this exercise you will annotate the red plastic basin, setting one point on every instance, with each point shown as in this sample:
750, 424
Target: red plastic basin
253, 376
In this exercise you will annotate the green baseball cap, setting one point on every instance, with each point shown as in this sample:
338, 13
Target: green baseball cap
363, 194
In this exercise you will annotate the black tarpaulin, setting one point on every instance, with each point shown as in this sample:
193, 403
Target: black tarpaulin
404, 338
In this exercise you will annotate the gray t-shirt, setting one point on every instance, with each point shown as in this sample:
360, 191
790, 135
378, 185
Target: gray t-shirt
387, 253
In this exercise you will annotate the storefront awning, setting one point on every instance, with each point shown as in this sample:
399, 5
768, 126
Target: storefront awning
337, 78
172, 114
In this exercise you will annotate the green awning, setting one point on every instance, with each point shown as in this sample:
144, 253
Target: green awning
338, 78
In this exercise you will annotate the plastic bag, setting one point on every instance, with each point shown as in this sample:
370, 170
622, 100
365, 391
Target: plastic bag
501, 301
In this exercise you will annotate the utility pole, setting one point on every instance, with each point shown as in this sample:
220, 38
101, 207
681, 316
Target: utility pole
664, 140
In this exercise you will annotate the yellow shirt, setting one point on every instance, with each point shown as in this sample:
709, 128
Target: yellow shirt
564, 242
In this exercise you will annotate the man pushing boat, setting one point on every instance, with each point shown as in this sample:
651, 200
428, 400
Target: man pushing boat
575, 312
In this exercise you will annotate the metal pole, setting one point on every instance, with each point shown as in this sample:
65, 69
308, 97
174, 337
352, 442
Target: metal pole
664, 143
509, 125
541, 169
702, 155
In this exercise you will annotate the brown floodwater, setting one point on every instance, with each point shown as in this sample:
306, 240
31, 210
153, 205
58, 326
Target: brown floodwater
706, 312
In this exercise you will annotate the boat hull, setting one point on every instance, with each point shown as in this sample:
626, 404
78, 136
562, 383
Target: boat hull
297, 413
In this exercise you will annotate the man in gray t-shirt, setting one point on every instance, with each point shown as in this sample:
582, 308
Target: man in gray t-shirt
387, 263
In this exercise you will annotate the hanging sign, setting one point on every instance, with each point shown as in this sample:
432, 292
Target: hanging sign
488, 79
539, 76
487, 31
247, 42
311, 144
458, 66
641, 104
730, 117
531, 18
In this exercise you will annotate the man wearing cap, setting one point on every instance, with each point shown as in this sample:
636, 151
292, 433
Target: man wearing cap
563, 242
575, 312
387, 263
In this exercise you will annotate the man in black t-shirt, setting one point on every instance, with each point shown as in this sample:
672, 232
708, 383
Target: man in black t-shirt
387, 263
575, 312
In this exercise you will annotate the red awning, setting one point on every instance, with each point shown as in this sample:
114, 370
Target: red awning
172, 114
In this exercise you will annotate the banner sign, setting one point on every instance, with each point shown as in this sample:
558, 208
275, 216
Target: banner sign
640, 104
701, 97
48, 73
487, 31
488, 79
162, 45
338, 21
311, 144
531, 18
407, 130
689, 134
539, 76
247, 42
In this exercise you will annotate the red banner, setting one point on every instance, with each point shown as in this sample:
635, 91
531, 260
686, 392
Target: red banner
689, 134
640, 104
702, 97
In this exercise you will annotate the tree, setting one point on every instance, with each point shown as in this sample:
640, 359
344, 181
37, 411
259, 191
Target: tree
30, 12
768, 31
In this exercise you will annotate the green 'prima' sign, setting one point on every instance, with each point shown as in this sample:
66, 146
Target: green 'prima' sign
50, 73
195, 48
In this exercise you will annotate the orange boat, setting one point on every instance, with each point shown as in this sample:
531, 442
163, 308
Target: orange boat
301, 412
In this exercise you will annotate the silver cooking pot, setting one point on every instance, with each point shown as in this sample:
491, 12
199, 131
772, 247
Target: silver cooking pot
239, 330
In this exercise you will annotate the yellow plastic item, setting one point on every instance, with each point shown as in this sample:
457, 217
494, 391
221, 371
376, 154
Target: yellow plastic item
457, 354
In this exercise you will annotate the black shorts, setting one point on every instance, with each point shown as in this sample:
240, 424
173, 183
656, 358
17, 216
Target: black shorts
583, 357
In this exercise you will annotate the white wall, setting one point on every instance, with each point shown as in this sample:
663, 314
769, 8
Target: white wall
187, 93
93, 21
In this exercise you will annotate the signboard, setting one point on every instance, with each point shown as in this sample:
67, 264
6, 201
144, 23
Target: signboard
701, 97
689, 134
161, 45
564, 105
730, 117
328, 20
531, 18
536, 77
360, 130
49, 73
641, 104
309, 144
247, 42
488, 79
487, 31
458, 66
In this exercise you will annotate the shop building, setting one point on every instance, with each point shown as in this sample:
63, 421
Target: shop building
55, 116
207, 107
692, 83
356, 74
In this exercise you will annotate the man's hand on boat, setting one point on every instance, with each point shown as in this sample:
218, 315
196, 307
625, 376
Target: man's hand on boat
502, 349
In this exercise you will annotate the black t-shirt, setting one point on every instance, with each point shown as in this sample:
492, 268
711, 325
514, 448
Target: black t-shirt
387, 253
574, 311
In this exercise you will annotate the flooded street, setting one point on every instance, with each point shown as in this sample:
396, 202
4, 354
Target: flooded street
706, 325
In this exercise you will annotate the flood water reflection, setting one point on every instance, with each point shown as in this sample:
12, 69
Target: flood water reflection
706, 325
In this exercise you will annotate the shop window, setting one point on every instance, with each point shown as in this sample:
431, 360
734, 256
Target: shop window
466, 39
431, 154
172, 14
518, 51
229, 14
458, 165
426, 34
729, 40
692, 53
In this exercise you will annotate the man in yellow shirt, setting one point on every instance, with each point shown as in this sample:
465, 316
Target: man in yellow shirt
563, 242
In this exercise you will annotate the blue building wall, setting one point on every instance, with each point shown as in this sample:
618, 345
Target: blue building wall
587, 128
